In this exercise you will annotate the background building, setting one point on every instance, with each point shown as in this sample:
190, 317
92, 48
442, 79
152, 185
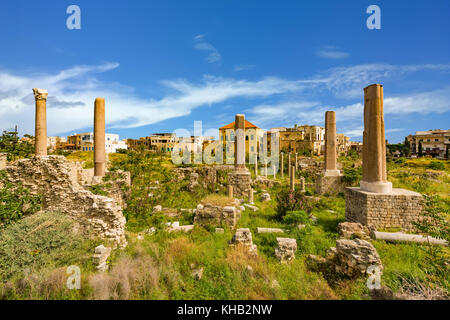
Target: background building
85, 142
434, 143
253, 136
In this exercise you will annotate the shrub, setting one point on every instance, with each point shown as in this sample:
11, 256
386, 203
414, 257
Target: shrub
15, 201
436, 165
37, 241
352, 175
434, 223
288, 200
296, 217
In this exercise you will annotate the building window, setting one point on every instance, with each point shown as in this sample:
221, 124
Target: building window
252, 148
252, 137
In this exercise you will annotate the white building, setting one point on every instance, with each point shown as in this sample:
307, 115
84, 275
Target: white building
112, 142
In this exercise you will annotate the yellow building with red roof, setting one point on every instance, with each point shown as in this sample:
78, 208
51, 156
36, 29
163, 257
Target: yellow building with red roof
253, 137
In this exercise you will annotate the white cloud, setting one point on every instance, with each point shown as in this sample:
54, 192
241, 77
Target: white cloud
200, 43
331, 52
72, 93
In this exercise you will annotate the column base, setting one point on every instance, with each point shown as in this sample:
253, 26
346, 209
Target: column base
332, 173
395, 210
376, 187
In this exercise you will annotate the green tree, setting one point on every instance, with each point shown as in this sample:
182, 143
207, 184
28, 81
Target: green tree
420, 149
434, 223
10, 144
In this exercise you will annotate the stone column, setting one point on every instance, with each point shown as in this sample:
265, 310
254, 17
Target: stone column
239, 150
302, 184
40, 142
274, 168
289, 164
374, 143
296, 161
230, 191
282, 164
292, 178
256, 166
250, 196
265, 168
99, 138
330, 144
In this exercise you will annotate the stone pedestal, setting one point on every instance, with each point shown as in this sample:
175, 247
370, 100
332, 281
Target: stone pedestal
396, 209
241, 182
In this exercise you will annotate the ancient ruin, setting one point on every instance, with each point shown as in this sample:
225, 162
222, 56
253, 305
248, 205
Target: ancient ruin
285, 251
240, 178
40, 143
58, 182
99, 138
376, 203
330, 181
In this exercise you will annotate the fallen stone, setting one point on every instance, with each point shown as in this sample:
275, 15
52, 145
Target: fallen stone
251, 207
351, 230
243, 236
100, 257
270, 230
197, 274
404, 237
157, 208
220, 230
351, 258
286, 249
265, 197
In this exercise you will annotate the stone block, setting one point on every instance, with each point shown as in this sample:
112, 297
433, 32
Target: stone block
286, 249
382, 211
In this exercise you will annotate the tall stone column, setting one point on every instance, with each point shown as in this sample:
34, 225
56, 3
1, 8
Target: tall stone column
292, 178
256, 166
99, 138
282, 164
289, 164
330, 144
240, 177
40, 143
239, 151
296, 161
265, 168
374, 144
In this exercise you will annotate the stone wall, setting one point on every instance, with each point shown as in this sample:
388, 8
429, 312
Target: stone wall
203, 175
57, 180
329, 184
383, 211
241, 182
208, 214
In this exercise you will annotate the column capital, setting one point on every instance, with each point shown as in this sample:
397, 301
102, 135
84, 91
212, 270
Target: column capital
40, 94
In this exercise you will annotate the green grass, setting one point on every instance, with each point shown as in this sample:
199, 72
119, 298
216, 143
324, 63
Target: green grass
159, 265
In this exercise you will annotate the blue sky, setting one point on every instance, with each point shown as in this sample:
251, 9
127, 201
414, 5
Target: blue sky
161, 65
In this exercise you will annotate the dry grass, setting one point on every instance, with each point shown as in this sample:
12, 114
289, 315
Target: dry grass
129, 278
218, 200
